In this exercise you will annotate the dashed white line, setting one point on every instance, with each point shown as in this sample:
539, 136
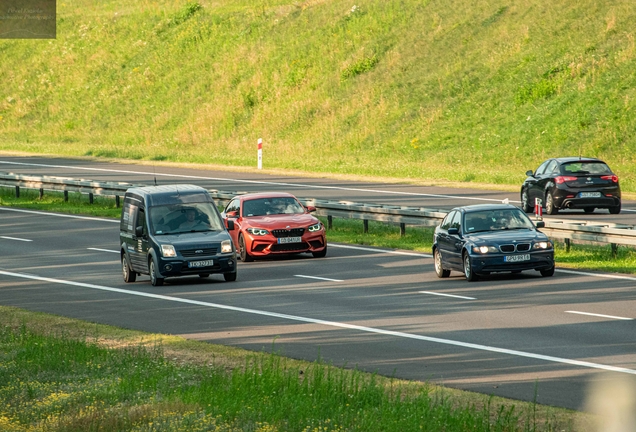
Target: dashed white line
479, 347
600, 315
447, 295
103, 250
15, 238
319, 278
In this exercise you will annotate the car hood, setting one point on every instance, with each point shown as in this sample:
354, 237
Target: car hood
281, 221
190, 239
505, 236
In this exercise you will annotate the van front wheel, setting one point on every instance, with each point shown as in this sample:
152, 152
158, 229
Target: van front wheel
155, 280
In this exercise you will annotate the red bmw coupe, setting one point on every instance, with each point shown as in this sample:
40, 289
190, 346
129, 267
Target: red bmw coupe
274, 223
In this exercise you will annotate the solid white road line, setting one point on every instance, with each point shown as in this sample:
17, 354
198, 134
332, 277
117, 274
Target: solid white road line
415, 254
15, 238
309, 186
600, 315
319, 278
447, 295
103, 250
601, 275
333, 324
59, 215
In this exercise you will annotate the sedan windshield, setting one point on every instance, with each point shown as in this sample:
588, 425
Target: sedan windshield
182, 218
272, 206
495, 220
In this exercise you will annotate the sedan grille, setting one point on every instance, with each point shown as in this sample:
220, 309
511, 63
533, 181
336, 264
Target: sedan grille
198, 252
510, 248
294, 232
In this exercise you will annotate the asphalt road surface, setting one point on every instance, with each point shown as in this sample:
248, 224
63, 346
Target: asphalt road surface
382, 311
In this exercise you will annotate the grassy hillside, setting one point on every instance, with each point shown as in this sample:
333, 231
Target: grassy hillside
472, 91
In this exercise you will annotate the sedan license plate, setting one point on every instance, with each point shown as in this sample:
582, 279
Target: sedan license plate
197, 264
289, 240
517, 258
590, 194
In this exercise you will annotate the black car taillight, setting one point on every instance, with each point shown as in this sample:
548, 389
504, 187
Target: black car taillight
613, 178
563, 179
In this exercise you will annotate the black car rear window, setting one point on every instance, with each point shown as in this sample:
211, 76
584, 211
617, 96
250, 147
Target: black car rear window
585, 168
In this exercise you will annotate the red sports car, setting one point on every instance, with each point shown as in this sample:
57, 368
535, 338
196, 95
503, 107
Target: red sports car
274, 223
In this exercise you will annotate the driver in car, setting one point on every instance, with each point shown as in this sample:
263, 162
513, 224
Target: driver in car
192, 222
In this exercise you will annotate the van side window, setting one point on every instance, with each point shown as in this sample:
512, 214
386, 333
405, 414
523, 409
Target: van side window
128, 213
141, 221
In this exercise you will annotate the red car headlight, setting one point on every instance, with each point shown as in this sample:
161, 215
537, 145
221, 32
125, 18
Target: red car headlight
257, 231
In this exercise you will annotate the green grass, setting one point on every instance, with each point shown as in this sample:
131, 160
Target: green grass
58, 374
579, 256
475, 93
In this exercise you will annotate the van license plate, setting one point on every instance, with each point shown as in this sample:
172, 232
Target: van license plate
197, 264
590, 194
289, 240
517, 258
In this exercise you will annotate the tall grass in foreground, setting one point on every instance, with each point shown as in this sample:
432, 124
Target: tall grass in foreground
59, 383
420, 239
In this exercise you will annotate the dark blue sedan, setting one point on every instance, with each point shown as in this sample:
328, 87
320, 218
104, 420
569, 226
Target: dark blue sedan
489, 238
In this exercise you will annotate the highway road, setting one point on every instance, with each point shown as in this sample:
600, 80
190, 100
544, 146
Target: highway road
382, 311
432, 197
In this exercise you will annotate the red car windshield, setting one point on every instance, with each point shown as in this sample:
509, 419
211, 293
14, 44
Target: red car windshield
271, 206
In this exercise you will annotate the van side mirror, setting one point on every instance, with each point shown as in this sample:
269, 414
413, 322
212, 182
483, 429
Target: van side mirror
453, 231
139, 231
529, 173
540, 224
310, 208
230, 225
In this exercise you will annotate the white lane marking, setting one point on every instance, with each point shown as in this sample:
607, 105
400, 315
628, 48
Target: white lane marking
351, 189
334, 324
416, 254
447, 295
319, 278
15, 238
600, 275
600, 315
103, 250
59, 215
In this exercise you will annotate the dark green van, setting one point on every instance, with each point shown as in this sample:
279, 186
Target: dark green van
174, 230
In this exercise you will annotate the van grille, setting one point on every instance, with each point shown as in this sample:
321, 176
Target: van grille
198, 252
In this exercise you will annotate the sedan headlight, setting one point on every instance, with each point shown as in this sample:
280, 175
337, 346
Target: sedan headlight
485, 249
168, 250
226, 246
542, 245
257, 231
315, 227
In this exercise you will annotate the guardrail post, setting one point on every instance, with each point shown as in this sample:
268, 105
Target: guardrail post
567, 245
41, 193
614, 250
65, 196
329, 221
365, 224
117, 201
17, 191
402, 229
90, 197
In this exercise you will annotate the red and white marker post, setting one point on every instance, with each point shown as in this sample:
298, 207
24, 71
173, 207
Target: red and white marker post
260, 153
538, 209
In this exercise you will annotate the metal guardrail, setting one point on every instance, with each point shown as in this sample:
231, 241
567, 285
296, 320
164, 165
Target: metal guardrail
568, 230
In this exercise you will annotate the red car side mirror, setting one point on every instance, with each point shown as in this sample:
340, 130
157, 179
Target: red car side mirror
311, 209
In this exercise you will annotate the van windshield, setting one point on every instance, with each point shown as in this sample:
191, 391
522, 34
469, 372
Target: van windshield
184, 218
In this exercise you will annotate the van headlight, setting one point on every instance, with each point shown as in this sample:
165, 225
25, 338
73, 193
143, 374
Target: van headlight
168, 251
315, 227
485, 249
542, 245
226, 246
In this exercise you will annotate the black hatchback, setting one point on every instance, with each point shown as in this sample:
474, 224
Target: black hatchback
572, 183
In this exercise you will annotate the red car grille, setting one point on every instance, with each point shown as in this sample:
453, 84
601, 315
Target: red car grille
294, 232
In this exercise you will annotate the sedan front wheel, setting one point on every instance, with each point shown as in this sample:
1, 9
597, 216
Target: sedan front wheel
470, 275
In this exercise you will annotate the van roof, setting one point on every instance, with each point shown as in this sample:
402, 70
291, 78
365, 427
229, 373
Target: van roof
171, 194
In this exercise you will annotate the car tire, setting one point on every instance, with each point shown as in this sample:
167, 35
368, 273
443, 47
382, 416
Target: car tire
589, 209
525, 204
439, 270
470, 275
615, 209
204, 275
129, 275
547, 273
321, 254
154, 279
245, 257
550, 208
229, 277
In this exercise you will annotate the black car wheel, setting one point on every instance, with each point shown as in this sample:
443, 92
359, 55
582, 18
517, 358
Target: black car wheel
321, 254
439, 270
229, 277
129, 275
615, 210
525, 204
589, 209
245, 257
550, 208
468, 269
154, 279
548, 272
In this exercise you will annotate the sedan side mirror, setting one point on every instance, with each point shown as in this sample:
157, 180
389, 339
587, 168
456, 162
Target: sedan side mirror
311, 208
540, 224
453, 231
529, 173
